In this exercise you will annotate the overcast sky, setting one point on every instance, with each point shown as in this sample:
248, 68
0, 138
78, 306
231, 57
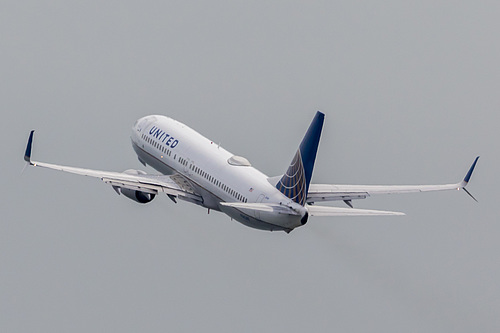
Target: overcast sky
411, 96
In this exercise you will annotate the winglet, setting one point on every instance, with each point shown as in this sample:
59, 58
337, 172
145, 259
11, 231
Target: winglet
27, 154
469, 174
467, 179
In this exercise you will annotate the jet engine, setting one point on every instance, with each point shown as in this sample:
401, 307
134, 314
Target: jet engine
137, 195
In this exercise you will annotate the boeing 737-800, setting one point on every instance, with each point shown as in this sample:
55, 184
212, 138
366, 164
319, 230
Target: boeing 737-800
195, 169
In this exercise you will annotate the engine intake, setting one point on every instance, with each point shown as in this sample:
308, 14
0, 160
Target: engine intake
134, 194
138, 196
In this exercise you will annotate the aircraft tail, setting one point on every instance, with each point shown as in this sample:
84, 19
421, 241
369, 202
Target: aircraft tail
295, 182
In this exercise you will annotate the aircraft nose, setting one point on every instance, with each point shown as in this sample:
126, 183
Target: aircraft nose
139, 124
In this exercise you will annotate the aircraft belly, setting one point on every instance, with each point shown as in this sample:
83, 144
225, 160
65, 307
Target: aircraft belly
271, 223
209, 200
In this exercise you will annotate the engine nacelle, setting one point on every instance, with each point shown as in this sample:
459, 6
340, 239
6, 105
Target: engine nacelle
133, 194
138, 196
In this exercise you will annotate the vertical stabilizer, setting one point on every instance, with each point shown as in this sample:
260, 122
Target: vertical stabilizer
295, 182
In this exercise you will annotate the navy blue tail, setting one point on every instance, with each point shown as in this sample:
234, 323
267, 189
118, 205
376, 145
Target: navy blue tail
295, 182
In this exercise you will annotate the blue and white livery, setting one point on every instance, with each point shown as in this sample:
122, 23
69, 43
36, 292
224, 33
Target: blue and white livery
194, 169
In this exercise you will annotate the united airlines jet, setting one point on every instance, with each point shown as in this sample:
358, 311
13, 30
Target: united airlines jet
195, 169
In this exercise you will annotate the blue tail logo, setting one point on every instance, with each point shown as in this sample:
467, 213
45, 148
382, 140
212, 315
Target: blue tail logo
295, 182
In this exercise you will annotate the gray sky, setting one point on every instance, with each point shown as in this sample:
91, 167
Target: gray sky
410, 92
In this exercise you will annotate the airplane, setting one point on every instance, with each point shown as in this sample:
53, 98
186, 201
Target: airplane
197, 170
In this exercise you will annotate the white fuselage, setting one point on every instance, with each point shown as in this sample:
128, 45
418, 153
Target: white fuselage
209, 170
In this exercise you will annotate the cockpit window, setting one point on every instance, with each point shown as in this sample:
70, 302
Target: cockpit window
142, 123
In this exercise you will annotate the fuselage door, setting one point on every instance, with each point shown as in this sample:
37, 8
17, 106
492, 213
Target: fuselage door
259, 200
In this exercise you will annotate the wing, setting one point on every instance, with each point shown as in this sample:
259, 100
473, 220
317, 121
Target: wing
153, 184
326, 192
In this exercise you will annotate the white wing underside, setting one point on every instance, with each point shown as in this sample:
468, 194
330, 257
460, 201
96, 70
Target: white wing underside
145, 183
325, 192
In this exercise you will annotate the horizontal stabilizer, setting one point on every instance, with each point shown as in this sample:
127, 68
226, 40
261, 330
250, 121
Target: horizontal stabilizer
260, 207
340, 211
